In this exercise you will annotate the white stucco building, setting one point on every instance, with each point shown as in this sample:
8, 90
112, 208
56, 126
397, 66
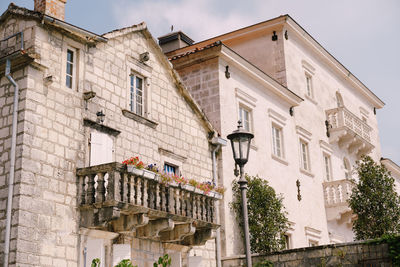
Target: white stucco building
311, 117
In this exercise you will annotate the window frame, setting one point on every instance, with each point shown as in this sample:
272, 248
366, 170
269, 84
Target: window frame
309, 85
277, 143
328, 167
175, 167
347, 168
133, 104
75, 65
250, 117
304, 165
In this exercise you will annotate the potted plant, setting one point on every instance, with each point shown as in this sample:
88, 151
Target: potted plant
134, 165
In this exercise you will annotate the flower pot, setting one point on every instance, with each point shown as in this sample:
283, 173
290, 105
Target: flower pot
198, 191
173, 184
134, 170
149, 174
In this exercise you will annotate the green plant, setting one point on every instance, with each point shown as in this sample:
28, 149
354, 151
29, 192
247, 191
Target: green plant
95, 262
267, 215
164, 261
125, 263
264, 263
374, 201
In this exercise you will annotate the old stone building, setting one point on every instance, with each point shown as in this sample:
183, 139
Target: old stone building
86, 103
311, 117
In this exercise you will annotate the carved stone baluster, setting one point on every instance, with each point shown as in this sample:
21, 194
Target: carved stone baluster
210, 209
195, 206
131, 189
158, 196
189, 204
178, 201
145, 194
171, 200
198, 207
125, 195
82, 188
90, 189
203, 208
100, 190
113, 188
164, 197
139, 188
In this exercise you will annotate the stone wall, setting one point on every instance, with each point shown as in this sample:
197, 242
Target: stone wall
53, 141
346, 254
203, 83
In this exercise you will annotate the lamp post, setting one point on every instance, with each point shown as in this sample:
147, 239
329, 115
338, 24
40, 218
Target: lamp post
240, 142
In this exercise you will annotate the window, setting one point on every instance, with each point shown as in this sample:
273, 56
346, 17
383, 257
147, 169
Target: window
70, 70
136, 95
304, 155
309, 86
328, 168
245, 118
170, 169
286, 238
277, 147
347, 169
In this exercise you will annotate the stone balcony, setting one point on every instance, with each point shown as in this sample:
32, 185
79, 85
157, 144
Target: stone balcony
336, 194
349, 131
135, 202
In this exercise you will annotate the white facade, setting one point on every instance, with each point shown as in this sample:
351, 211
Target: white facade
275, 67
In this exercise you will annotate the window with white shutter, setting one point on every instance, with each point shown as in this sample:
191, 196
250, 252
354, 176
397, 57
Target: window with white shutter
101, 148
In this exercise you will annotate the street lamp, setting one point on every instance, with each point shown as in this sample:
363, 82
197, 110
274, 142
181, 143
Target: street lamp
240, 142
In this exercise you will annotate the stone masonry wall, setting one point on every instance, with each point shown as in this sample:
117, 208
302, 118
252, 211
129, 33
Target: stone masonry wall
347, 254
53, 142
202, 82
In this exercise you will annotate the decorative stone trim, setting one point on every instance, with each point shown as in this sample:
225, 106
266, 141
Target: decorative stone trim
138, 118
100, 127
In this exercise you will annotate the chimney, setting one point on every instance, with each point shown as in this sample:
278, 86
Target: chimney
173, 41
53, 8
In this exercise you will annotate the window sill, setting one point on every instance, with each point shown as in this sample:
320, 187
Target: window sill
311, 99
307, 172
280, 160
138, 118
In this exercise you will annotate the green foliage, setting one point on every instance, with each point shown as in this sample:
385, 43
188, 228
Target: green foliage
264, 263
393, 242
267, 215
374, 201
164, 261
125, 263
95, 262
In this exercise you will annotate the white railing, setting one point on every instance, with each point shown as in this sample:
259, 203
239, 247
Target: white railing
342, 117
337, 192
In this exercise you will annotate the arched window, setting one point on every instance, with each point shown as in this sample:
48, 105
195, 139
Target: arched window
339, 100
347, 168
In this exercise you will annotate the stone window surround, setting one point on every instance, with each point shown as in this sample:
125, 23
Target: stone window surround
278, 121
309, 72
169, 157
248, 102
305, 137
290, 232
326, 151
313, 235
76, 47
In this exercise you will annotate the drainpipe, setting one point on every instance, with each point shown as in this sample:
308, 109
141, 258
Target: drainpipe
12, 166
218, 142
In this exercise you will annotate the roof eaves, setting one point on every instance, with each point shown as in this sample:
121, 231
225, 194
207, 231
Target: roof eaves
125, 30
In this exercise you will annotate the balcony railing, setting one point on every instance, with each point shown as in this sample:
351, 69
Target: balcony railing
349, 130
110, 197
337, 192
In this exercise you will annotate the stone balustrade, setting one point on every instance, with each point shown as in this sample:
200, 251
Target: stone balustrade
112, 196
350, 131
337, 192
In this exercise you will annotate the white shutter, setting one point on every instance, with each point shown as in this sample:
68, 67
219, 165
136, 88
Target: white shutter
121, 252
101, 148
95, 249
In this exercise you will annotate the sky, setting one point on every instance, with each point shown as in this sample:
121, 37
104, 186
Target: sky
364, 35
